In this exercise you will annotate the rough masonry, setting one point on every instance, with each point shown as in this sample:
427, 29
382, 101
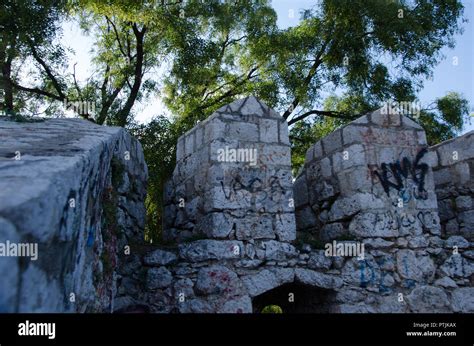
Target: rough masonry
370, 183
76, 190
240, 234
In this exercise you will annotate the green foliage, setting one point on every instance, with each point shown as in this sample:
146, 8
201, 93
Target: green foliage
209, 53
158, 139
27, 28
272, 309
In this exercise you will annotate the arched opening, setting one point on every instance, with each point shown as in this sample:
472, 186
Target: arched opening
296, 298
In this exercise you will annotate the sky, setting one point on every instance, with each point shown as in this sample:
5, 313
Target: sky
454, 73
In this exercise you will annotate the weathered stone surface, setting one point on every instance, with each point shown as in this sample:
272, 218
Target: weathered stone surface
457, 266
255, 227
318, 260
413, 267
196, 305
311, 277
217, 279
158, 278
285, 227
374, 225
160, 258
355, 309
446, 282
202, 250
428, 299
457, 241
10, 269
463, 299
237, 306
72, 180
275, 250
266, 280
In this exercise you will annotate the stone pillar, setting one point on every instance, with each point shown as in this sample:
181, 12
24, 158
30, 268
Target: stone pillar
232, 178
454, 182
370, 179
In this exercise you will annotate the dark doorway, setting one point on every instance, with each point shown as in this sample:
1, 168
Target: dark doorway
306, 299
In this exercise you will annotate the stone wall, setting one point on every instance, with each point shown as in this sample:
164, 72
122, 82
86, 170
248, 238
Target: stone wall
239, 233
371, 182
453, 168
368, 184
233, 178
76, 190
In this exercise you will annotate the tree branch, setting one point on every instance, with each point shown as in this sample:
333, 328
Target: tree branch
117, 38
309, 76
48, 71
331, 114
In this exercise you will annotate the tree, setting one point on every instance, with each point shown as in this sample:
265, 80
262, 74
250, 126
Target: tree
25, 27
373, 50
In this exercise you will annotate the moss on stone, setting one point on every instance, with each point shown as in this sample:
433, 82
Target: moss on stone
272, 309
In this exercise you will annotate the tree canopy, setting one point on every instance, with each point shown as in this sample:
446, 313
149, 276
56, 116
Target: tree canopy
343, 59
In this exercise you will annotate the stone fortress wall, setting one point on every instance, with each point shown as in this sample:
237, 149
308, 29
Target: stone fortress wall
453, 168
240, 233
75, 190
369, 183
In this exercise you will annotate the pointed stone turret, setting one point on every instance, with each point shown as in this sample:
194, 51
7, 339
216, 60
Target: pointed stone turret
233, 177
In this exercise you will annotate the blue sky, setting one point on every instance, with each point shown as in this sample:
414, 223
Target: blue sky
447, 76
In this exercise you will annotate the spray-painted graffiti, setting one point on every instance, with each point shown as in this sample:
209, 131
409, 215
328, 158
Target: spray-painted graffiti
396, 175
258, 191
372, 275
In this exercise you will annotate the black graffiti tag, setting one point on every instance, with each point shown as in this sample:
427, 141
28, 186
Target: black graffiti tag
400, 171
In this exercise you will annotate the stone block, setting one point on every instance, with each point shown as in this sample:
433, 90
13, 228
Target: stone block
214, 129
305, 218
180, 149
407, 122
428, 299
354, 134
385, 119
268, 131
266, 280
254, 226
283, 127
413, 267
319, 261
215, 225
463, 300
237, 305
332, 142
300, 191
217, 279
285, 227
332, 231
243, 131
464, 203
10, 269
158, 278
313, 278
189, 143
278, 251
160, 258
202, 250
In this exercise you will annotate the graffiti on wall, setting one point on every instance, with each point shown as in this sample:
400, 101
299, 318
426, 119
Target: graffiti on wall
399, 174
262, 192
